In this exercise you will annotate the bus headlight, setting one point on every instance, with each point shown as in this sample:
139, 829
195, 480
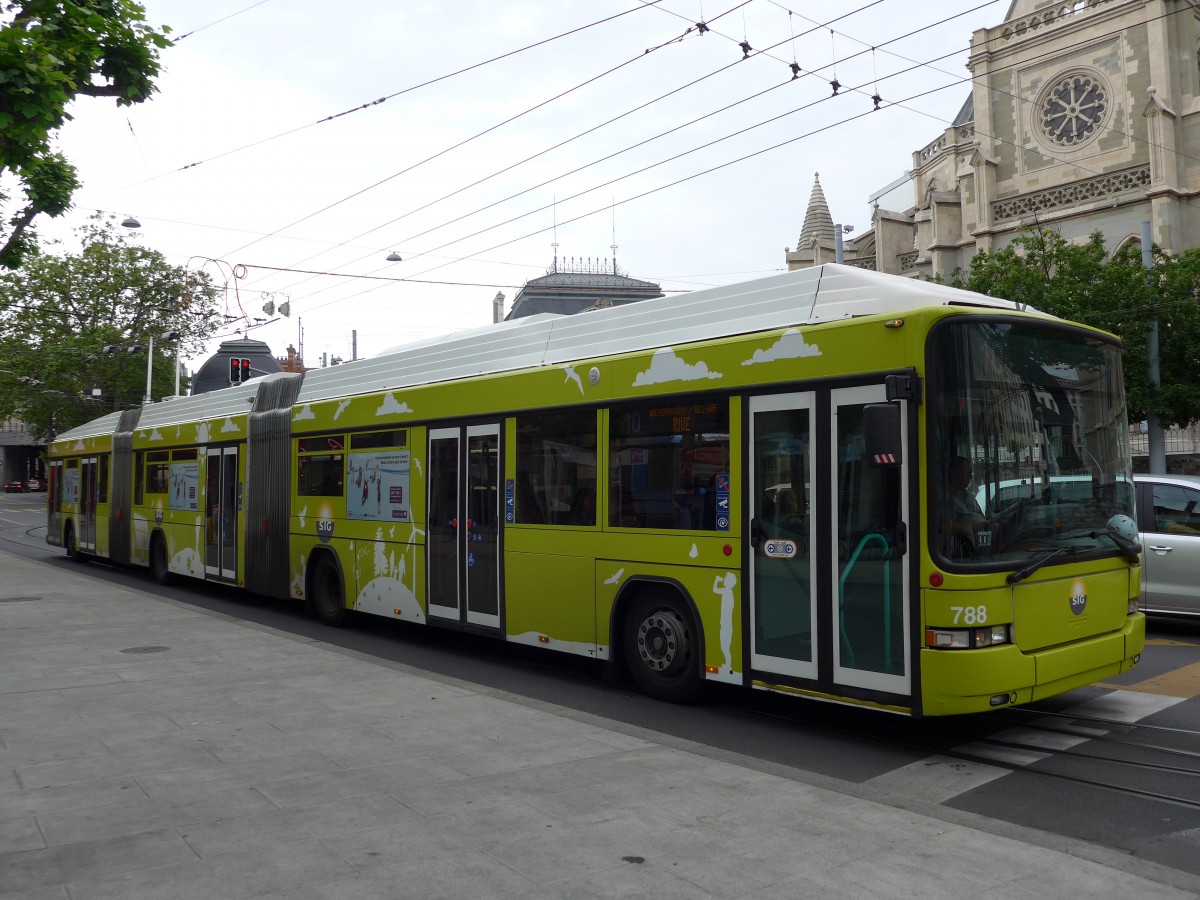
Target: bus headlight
967, 638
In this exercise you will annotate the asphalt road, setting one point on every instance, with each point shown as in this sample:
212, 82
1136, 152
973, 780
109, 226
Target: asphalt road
1155, 813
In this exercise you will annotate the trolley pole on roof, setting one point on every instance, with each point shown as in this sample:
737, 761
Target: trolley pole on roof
1157, 462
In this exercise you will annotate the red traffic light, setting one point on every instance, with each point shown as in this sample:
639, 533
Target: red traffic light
239, 370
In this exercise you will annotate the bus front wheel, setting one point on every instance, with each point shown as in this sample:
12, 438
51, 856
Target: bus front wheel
328, 598
661, 647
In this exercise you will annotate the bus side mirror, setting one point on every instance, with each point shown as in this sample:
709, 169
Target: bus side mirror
881, 433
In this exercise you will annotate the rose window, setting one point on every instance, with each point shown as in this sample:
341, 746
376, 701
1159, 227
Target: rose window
1073, 109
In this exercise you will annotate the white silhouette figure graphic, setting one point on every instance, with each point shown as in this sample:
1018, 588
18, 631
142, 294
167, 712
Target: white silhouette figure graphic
723, 588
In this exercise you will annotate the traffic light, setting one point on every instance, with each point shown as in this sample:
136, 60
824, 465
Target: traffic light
239, 370
245, 367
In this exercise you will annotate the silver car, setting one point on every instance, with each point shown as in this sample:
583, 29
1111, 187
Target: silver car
1168, 508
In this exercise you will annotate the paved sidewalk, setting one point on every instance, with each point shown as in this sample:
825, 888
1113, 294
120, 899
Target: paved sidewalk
151, 749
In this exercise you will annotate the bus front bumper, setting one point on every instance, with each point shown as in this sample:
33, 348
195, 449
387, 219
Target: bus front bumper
967, 681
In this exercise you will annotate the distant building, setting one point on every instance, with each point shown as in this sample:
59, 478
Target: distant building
1080, 118
291, 362
19, 454
572, 287
214, 374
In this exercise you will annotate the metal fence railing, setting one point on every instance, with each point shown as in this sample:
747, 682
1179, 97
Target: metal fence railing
1176, 440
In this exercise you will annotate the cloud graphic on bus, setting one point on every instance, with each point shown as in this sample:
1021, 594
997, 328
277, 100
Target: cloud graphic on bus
304, 412
154, 435
230, 425
791, 345
666, 366
392, 406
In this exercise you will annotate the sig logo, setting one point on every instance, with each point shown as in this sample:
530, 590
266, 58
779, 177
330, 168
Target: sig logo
1078, 598
324, 530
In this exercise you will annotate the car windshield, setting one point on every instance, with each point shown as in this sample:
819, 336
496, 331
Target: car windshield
1029, 442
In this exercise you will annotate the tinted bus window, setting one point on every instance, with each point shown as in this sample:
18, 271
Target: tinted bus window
556, 469
666, 459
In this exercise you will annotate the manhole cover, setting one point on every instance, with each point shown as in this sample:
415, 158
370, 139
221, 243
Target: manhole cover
18, 599
145, 649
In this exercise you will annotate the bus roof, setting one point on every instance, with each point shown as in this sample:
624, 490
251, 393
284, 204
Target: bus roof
804, 297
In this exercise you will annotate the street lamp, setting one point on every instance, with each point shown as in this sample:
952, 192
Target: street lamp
838, 231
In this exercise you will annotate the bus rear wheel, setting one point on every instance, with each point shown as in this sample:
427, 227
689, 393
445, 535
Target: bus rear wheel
662, 649
158, 561
71, 543
328, 598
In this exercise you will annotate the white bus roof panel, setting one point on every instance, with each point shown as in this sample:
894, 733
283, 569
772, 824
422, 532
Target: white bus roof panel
803, 297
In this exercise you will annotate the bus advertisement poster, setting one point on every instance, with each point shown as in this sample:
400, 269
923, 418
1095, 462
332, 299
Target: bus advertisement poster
378, 486
185, 486
70, 492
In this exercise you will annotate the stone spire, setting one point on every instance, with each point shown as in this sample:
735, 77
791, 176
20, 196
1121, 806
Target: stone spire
818, 223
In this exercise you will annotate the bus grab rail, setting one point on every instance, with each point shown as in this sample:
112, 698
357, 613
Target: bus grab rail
887, 597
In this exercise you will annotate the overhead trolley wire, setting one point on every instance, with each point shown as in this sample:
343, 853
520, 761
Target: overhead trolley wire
615, 153
899, 103
645, 4
582, 134
608, 207
464, 141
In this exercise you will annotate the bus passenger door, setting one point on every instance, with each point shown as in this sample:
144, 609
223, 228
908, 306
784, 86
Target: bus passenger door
220, 512
88, 489
867, 520
463, 537
782, 578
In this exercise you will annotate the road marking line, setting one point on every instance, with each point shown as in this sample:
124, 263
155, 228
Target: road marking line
1051, 740
937, 778
1013, 756
1126, 704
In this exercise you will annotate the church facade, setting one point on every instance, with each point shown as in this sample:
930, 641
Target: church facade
1083, 116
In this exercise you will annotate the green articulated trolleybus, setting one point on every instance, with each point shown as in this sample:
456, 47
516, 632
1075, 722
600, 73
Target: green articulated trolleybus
830, 483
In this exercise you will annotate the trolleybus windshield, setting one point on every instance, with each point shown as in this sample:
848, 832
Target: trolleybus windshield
1028, 444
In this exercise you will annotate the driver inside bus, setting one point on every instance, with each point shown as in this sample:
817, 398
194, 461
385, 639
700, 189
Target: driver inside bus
963, 519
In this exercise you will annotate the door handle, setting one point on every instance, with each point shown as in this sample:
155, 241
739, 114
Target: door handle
1161, 549
755, 533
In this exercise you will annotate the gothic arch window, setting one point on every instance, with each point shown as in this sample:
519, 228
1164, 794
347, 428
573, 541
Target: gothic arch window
1130, 240
1072, 109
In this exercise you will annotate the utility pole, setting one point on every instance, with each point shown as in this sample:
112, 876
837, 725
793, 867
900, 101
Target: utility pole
1157, 462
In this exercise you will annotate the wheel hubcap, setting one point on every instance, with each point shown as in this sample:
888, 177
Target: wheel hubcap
662, 641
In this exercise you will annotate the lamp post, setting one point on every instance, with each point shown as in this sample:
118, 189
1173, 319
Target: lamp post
169, 336
838, 231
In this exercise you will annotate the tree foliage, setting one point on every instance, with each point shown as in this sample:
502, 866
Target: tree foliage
58, 313
1082, 282
51, 52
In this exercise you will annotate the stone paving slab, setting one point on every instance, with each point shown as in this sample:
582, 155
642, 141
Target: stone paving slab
242, 762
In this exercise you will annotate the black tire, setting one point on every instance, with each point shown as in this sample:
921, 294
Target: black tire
72, 546
328, 598
662, 647
158, 561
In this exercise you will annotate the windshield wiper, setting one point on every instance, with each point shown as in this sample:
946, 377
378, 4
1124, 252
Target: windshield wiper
1022, 574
